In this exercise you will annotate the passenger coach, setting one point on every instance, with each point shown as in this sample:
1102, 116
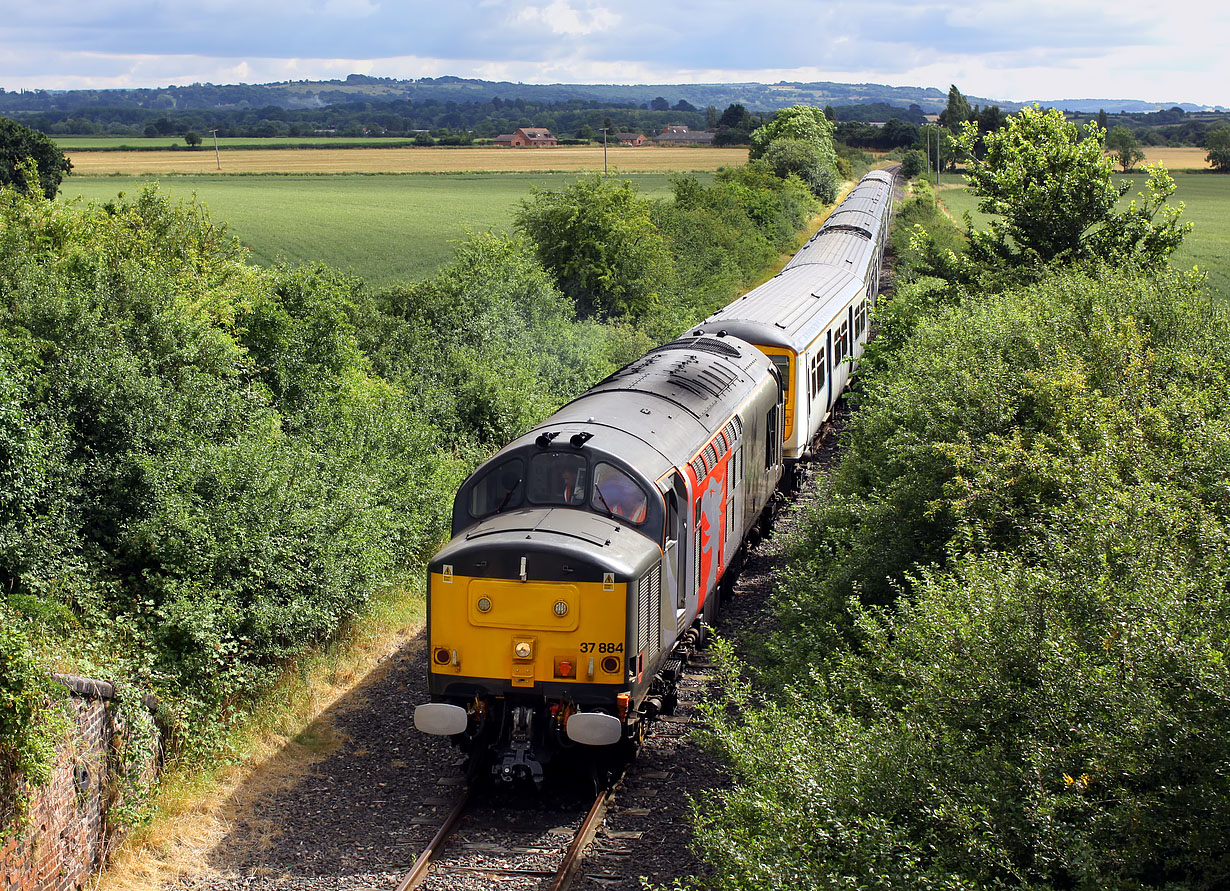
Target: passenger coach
811, 318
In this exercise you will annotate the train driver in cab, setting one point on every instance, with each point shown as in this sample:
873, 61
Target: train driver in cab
615, 493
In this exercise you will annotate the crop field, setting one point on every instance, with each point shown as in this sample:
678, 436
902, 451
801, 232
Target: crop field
1207, 205
1181, 158
148, 143
624, 159
385, 229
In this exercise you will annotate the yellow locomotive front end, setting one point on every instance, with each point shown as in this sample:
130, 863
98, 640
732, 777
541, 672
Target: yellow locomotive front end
533, 647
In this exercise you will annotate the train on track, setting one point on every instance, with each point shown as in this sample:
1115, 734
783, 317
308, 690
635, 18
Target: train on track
590, 553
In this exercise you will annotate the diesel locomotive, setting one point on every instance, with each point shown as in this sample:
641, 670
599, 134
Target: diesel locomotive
587, 550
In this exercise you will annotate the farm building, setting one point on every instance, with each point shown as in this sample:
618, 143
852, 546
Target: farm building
678, 134
526, 136
630, 138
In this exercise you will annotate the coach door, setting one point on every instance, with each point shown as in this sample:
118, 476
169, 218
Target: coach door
674, 560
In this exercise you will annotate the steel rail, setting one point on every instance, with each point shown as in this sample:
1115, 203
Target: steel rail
576, 850
418, 873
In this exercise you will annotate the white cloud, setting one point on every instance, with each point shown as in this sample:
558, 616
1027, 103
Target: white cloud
1003, 49
560, 18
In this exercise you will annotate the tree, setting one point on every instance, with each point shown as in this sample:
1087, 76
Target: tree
805, 122
914, 163
1123, 145
18, 146
598, 239
957, 112
736, 117
659, 104
192, 138
735, 126
803, 159
1103, 119
1051, 192
1218, 144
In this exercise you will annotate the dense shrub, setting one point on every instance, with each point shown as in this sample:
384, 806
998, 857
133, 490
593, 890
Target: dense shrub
27, 731
662, 266
797, 157
492, 342
209, 467
913, 163
598, 239
1003, 634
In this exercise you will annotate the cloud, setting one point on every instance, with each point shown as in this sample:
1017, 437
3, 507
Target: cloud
560, 18
997, 48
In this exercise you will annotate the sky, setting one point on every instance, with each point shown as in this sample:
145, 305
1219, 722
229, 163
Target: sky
999, 49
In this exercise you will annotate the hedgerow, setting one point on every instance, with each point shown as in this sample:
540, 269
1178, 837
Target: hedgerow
1001, 657
208, 468
1003, 634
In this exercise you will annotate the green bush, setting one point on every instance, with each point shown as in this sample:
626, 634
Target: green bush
1003, 632
598, 239
207, 477
797, 157
913, 162
27, 729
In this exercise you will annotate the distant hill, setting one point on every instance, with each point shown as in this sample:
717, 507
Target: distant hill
756, 97
358, 88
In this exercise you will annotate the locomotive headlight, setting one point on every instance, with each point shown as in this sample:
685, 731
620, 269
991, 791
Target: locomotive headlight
561, 608
484, 605
523, 649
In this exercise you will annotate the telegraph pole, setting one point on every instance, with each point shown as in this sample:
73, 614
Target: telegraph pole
217, 154
605, 172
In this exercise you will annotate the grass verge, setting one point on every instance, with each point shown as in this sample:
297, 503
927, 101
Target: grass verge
194, 806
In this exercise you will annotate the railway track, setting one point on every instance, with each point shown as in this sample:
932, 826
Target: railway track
500, 852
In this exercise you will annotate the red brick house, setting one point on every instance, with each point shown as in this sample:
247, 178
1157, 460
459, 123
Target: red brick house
526, 136
630, 138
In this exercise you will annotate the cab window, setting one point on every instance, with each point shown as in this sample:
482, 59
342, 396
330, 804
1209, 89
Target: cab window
558, 478
617, 494
499, 489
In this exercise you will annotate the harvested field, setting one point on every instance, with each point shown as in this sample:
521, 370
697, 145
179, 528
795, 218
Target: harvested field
623, 159
1176, 158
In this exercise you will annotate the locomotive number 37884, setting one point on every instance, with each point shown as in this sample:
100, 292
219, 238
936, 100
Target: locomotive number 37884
590, 647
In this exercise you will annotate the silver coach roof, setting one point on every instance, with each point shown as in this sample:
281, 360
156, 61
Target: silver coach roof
773, 314
849, 234
665, 406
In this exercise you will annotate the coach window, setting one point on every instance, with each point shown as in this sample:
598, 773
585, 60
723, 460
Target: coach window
500, 488
617, 494
558, 478
771, 438
782, 364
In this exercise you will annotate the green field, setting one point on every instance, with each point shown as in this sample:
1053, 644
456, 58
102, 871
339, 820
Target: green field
1207, 205
384, 228
161, 143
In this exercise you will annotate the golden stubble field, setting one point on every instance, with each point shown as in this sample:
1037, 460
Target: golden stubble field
625, 159
1177, 158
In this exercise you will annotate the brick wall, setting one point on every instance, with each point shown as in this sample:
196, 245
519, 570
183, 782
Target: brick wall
65, 836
